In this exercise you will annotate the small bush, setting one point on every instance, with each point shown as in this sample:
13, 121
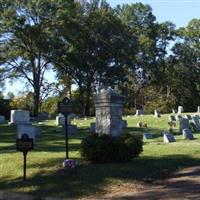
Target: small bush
106, 148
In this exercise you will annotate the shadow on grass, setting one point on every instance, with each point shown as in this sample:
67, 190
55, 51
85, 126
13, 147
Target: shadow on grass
93, 179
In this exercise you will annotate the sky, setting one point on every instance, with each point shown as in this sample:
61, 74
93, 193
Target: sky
180, 12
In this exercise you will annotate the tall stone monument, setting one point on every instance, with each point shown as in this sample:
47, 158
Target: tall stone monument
108, 105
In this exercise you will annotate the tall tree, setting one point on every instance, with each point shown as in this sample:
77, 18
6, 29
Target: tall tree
94, 56
26, 40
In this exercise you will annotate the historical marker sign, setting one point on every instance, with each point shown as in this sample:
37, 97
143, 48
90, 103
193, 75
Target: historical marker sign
25, 144
65, 107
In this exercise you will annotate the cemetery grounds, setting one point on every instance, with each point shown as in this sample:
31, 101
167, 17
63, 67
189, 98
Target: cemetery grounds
46, 176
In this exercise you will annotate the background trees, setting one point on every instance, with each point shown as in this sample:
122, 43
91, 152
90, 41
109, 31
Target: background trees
92, 46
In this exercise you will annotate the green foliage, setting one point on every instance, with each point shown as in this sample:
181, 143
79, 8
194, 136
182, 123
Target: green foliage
106, 148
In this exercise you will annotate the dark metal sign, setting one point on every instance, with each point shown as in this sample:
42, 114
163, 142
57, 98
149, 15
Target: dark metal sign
25, 144
65, 107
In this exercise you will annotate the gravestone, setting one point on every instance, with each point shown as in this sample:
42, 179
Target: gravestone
168, 138
157, 114
43, 115
198, 109
19, 117
172, 118
139, 124
108, 105
178, 117
29, 129
195, 120
92, 128
173, 111
180, 109
139, 112
197, 116
188, 117
183, 123
187, 134
2, 119
60, 119
147, 136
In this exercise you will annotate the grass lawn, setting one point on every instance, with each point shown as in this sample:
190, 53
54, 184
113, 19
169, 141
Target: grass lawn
46, 177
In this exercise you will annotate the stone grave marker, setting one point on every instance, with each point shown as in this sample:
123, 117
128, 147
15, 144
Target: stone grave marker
180, 109
178, 117
139, 112
198, 109
172, 118
187, 134
108, 105
60, 120
183, 123
147, 136
195, 120
188, 117
2, 119
29, 129
19, 117
168, 138
173, 111
157, 114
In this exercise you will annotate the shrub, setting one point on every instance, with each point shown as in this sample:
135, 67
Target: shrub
105, 148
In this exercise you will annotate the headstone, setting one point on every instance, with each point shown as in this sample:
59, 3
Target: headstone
92, 128
172, 118
139, 112
196, 123
183, 123
173, 111
188, 117
29, 129
168, 138
178, 117
147, 136
60, 120
72, 129
198, 109
2, 119
19, 117
180, 109
197, 116
43, 115
187, 134
139, 124
70, 118
108, 105
124, 124
157, 114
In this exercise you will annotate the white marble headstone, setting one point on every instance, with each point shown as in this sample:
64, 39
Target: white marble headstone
187, 134
19, 117
168, 138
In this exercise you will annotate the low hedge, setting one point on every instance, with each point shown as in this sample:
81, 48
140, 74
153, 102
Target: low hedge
105, 148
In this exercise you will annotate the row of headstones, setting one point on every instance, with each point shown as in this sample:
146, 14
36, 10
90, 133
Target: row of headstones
168, 137
60, 121
184, 123
21, 118
158, 114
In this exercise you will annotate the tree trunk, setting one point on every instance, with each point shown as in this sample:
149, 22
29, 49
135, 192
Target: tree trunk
36, 102
88, 102
82, 101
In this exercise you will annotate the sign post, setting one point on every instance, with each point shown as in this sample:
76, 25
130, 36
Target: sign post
25, 144
65, 107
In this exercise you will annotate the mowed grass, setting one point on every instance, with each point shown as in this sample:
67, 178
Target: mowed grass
46, 176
